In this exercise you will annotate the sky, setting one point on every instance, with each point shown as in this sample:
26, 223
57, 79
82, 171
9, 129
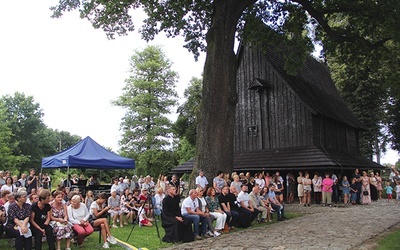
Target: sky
74, 72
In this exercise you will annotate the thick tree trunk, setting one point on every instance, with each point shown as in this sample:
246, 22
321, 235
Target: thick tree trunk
215, 132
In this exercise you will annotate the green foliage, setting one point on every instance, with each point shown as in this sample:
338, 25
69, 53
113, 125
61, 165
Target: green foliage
24, 138
148, 98
357, 29
186, 124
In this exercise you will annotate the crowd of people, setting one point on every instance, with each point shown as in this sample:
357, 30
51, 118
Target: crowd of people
29, 209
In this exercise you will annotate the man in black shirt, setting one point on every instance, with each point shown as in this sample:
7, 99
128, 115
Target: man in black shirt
227, 202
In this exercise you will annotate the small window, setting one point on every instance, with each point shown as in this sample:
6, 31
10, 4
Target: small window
252, 131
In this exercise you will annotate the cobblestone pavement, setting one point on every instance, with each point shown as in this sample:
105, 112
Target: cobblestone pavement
340, 227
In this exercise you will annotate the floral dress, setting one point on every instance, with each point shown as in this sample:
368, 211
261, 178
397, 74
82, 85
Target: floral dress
61, 231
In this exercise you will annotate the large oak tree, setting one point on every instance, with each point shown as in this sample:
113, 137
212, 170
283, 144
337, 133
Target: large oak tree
212, 26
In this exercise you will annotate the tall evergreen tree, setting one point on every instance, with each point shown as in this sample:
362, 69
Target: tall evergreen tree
148, 98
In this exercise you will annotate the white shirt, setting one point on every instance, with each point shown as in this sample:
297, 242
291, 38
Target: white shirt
189, 203
242, 196
76, 215
260, 182
202, 181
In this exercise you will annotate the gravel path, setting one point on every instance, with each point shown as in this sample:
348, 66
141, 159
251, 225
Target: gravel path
341, 227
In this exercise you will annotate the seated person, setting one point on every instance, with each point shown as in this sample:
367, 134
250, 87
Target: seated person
98, 211
190, 210
259, 204
227, 202
276, 205
17, 226
40, 220
246, 207
2, 219
209, 218
59, 220
172, 221
78, 215
115, 208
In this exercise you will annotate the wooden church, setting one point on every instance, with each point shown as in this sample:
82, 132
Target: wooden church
289, 123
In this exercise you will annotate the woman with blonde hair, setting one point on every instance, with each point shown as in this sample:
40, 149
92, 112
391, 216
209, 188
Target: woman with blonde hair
78, 215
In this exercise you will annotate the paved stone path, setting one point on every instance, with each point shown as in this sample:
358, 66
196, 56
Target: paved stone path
333, 228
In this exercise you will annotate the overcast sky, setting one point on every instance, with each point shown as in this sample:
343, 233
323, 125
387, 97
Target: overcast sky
73, 71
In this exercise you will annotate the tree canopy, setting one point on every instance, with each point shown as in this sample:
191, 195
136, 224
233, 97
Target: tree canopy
356, 28
148, 97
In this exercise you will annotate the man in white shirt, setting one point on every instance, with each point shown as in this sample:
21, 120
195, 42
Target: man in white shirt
247, 207
201, 181
190, 210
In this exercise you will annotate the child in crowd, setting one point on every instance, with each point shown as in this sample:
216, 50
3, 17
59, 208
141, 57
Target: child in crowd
389, 191
89, 199
397, 191
143, 220
345, 190
353, 191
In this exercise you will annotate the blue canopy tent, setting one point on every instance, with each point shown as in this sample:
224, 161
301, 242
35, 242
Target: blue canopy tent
87, 154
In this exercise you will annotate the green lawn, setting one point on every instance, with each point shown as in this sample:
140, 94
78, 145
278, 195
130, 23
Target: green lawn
141, 237
390, 241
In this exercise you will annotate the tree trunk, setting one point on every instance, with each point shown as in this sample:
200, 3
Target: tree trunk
215, 132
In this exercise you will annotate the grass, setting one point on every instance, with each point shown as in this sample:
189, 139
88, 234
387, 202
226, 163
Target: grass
390, 241
141, 237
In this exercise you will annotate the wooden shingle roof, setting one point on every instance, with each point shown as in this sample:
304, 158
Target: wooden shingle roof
314, 85
308, 158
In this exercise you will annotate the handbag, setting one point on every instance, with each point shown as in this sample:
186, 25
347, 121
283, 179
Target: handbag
365, 192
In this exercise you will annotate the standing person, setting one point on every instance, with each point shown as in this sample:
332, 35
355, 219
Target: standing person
357, 178
172, 221
175, 182
59, 220
317, 186
40, 221
22, 180
335, 188
219, 182
389, 191
300, 189
397, 192
307, 189
327, 184
373, 186
78, 215
353, 191
279, 187
98, 211
378, 185
345, 190
201, 180
365, 189
227, 201
292, 188
17, 226
32, 181
190, 210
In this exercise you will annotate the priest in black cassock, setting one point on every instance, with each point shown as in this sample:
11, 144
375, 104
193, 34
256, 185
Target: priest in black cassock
175, 226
